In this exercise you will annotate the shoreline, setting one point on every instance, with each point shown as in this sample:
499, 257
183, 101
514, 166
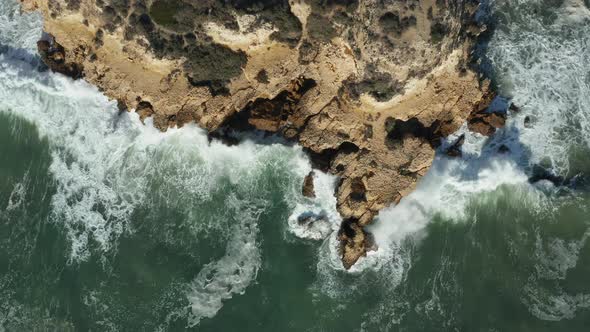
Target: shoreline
379, 149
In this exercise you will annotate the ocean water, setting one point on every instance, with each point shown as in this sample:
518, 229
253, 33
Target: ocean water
110, 225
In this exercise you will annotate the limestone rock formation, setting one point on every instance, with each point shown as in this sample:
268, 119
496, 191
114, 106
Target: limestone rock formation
368, 88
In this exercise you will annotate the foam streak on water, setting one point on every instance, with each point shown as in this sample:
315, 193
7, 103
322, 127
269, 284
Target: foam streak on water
106, 165
543, 63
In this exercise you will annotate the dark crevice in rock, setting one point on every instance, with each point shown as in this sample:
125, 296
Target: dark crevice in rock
391, 22
358, 190
54, 56
144, 109
271, 115
398, 130
323, 160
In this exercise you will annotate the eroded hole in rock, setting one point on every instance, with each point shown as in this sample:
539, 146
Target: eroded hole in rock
323, 160
358, 190
262, 77
347, 148
437, 32
266, 115
144, 109
54, 56
392, 23
398, 129
271, 115
348, 229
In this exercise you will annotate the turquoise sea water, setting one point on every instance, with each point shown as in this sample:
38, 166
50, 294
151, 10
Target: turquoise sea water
109, 225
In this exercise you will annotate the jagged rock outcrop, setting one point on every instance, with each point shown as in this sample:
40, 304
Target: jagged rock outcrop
54, 55
366, 87
483, 121
308, 189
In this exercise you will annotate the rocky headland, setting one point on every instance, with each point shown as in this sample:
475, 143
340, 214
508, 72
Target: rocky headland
368, 88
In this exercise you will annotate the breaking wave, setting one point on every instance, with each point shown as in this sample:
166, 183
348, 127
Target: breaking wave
541, 60
107, 166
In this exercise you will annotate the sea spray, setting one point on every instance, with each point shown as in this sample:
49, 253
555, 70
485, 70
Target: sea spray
107, 165
474, 234
451, 182
542, 62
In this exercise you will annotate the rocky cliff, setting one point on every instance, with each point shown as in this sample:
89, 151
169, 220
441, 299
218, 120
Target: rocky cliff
368, 87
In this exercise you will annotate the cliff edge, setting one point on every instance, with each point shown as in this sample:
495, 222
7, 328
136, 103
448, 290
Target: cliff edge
368, 88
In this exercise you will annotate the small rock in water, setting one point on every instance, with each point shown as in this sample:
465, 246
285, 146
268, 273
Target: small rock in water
514, 109
527, 122
308, 189
310, 218
455, 149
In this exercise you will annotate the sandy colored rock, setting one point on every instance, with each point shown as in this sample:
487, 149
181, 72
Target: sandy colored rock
308, 186
367, 88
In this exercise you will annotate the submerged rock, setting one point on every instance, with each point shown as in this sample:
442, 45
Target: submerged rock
514, 109
308, 219
455, 149
540, 173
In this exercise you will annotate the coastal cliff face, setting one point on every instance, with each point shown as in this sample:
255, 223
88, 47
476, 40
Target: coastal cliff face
368, 88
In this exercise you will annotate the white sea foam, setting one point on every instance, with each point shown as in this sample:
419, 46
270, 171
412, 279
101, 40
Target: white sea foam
220, 280
17, 196
547, 75
20, 32
553, 262
545, 66
102, 161
106, 165
324, 218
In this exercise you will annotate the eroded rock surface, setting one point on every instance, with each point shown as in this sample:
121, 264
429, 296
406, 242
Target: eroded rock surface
368, 88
